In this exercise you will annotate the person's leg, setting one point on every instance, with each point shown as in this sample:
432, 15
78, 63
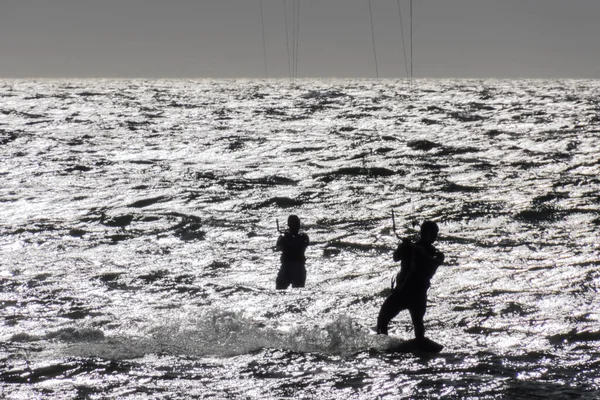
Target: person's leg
417, 314
389, 309
299, 276
283, 279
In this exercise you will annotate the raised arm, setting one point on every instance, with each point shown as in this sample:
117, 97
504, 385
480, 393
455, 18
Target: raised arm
401, 249
436, 257
279, 243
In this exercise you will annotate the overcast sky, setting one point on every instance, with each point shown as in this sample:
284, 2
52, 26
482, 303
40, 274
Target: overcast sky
223, 38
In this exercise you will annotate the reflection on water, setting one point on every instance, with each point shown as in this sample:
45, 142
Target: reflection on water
137, 234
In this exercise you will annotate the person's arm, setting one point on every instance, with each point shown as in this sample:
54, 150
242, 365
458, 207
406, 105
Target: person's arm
280, 240
400, 251
436, 257
404, 255
402, 277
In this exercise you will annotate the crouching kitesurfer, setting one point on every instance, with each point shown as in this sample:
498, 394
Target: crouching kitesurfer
292, 243
418, 262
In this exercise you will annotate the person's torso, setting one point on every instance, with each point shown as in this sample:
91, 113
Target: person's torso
416, 274
293, 247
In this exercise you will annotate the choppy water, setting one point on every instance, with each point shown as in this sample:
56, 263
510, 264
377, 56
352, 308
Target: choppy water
180, 302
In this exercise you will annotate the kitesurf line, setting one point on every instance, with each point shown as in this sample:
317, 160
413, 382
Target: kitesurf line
402, 37
287, 37
373, 39
394, 225
296, 36
410, 230
292, 35
262, 23
393, 279
411, 44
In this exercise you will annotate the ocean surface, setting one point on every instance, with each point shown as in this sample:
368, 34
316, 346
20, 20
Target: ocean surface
138, 220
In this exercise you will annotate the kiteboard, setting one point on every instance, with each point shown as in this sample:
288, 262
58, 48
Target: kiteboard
424, 345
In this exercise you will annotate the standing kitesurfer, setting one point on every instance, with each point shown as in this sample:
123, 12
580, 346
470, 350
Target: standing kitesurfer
418, 263
292, 243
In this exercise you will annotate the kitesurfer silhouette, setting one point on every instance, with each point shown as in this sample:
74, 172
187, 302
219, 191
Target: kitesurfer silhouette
292, 243
418, 263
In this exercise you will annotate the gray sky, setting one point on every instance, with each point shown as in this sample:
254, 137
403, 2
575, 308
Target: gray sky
223, 38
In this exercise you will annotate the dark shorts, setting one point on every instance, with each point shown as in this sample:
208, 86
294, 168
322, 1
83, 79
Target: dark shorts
294, 274
400, 300
414, 302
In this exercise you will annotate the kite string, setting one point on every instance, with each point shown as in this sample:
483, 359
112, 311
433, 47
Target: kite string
262, 23
402, 36
287, 37
373, 38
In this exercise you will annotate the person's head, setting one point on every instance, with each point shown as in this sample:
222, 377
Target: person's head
429, 231
294, 223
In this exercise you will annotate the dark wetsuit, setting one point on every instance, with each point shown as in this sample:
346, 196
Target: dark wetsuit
418, 263
292, 269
